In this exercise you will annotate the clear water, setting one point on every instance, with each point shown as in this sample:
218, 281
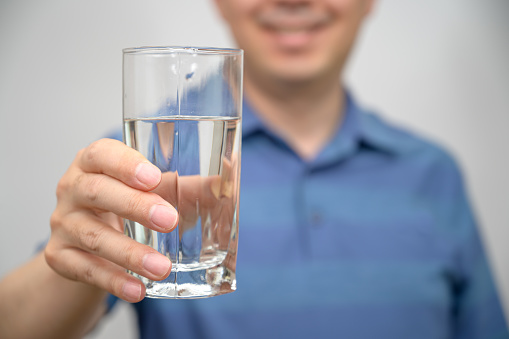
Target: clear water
200, 161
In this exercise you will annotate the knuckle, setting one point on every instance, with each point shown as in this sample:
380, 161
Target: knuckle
134, 205
115, 284
50, 256
55, 220
88, 274
92, 239
78, 181
62, 188
90, 153
66, 183
53, 258
74, 231
80, 153
95, 149
55, 261
90, 185
93, 189
131, 256
72, 274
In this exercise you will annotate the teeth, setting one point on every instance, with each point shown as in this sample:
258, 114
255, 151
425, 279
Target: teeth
297, 21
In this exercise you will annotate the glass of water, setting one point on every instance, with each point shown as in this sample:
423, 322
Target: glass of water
182, 109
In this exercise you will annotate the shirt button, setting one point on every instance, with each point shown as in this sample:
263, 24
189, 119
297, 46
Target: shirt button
316, 219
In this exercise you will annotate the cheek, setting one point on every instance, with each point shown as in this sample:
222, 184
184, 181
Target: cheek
237, 9
349, 8
240, 17
339, 6
246, 34
349, 16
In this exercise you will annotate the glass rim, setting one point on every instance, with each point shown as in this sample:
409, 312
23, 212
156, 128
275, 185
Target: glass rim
182, 49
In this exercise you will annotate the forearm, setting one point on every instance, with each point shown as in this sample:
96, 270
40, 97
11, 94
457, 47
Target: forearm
38, 303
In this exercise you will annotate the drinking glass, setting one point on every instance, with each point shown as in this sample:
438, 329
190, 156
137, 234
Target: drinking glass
182, 109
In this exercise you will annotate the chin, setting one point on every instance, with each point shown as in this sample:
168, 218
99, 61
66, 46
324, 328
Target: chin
303, 71
295, 77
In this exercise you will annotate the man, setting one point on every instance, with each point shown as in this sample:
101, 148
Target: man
350, 228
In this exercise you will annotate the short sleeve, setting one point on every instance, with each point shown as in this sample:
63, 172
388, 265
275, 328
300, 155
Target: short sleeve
477, 310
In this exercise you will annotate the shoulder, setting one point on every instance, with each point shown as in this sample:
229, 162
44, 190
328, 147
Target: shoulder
430, 172
406, 144
432, 166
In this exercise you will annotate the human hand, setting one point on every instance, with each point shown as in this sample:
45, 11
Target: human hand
108, 181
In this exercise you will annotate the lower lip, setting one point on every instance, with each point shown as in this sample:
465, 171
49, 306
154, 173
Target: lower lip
294, 40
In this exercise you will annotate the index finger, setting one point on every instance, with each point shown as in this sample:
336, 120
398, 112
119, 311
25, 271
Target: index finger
117, 160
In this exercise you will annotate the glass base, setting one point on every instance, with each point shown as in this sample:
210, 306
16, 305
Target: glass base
192, 284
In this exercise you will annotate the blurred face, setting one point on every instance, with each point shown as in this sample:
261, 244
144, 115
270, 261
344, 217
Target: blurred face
294, 40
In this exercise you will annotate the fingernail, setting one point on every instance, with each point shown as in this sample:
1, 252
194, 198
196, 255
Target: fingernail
148, 174
163, 216
157, 264
131, 291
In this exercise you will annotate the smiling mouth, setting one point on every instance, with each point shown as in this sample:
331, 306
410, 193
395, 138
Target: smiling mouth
293, 20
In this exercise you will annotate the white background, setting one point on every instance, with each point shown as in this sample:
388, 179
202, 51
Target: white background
440, 68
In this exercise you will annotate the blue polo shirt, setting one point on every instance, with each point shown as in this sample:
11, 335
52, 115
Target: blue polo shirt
374, 238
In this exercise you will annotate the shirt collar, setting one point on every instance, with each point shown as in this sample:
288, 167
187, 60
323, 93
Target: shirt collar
359, 128
251, 123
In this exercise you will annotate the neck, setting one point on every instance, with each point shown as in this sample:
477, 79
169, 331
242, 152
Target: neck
305, 115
